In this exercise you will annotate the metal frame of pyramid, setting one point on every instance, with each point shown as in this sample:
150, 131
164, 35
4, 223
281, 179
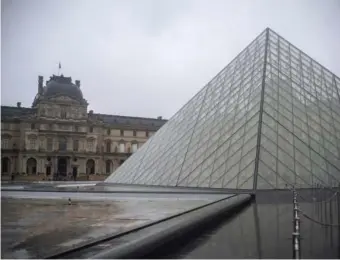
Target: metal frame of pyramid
269, 120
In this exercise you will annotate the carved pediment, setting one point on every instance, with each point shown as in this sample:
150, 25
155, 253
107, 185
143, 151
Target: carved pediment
31, 136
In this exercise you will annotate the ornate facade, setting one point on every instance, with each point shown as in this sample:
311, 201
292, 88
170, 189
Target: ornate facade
58, 134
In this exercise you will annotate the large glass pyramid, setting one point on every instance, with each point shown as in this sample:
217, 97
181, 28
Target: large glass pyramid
269, 118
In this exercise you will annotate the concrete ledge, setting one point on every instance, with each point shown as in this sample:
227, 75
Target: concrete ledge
144, 241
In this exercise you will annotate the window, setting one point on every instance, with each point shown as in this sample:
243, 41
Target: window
122, 147
108, 146
62, 144
134, 133
108, 166
42, 143
134, 147
147, 133
63, 112
5, 165
76, 128
90, 145
4, 142
91, 129
5, 126
75, 145
49, 144
121, 132
32, 143
108, 131
90, 167
32, 126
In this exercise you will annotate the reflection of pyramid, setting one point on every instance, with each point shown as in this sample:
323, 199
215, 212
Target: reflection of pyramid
271, 117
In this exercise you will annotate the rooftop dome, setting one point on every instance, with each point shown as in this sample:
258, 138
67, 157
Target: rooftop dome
63, 86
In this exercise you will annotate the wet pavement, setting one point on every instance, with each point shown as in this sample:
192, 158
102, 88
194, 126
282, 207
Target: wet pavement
105, 188
35, 227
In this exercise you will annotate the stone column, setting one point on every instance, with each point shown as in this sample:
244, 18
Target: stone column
23, 164
68, 165
82, 165
19, 162
40, 165
97, 167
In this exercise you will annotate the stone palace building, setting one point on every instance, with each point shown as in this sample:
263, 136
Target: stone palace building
58, 134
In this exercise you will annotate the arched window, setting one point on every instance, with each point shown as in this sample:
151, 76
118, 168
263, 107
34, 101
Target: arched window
122, 147
108, 146
31, 167
5, 165
75, 145
49, 144
90, 145
134, 147
5, 140
108, 166
62, 144
63, 113
90, 166
32, 142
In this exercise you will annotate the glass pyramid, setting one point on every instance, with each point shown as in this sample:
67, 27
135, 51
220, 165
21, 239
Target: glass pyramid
270, 118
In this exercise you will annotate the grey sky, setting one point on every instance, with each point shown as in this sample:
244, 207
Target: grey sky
147, 58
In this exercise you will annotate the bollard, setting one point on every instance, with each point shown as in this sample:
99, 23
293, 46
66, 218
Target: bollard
69, 201
296, 228
338, 202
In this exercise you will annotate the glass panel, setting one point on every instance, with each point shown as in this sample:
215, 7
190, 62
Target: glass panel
267, 173
262, 183
245, 174
211, 141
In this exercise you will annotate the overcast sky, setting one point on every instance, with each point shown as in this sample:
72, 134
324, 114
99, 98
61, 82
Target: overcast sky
148, 58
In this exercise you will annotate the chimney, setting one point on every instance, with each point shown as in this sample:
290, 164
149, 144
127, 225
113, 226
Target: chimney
91, 112
78, 83
160, 118
18, 104
40, 84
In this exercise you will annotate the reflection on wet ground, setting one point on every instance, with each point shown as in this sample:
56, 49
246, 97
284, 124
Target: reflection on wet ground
264, 230
33, 228
100, 187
